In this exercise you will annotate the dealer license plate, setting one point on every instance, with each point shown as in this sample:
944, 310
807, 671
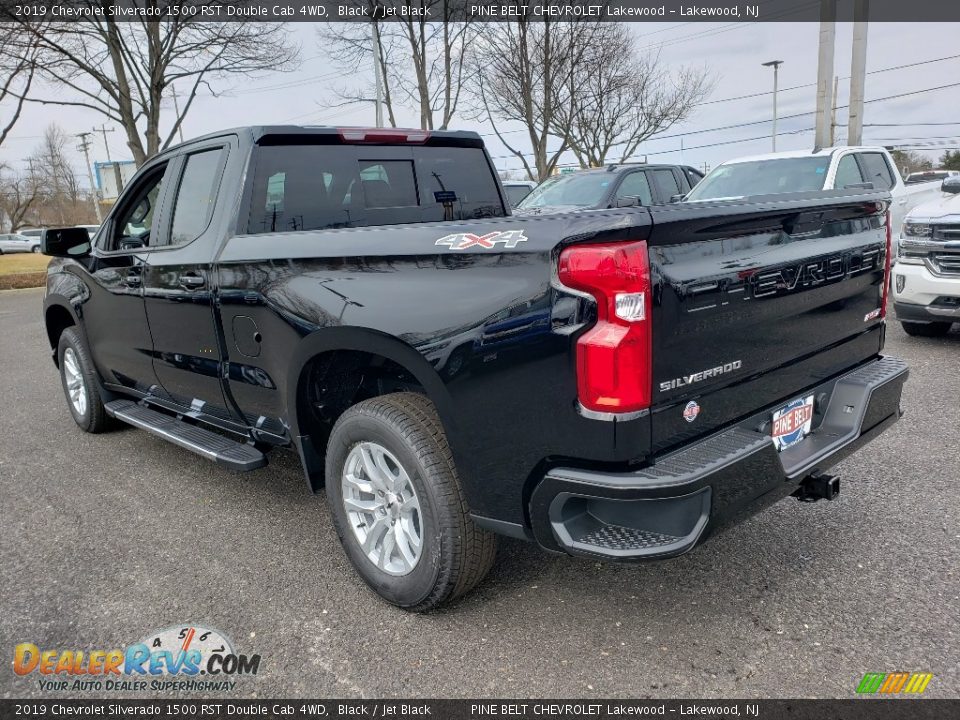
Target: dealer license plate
792, 422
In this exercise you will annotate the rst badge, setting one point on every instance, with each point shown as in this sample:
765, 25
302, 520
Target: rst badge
465, 241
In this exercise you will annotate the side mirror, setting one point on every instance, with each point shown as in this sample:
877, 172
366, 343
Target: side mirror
677, 198
623, 202
951, 185
65, 242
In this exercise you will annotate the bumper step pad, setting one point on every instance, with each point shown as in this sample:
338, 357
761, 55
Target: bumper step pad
208, 444
617, 537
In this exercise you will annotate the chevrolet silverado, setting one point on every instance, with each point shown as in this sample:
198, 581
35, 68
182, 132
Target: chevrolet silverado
615, 383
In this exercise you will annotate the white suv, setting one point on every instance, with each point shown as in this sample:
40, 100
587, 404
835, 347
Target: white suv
926, 279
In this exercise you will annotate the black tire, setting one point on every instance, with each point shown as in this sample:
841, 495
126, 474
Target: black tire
931, 329
94, 418
455, 554
457, 361
35, 249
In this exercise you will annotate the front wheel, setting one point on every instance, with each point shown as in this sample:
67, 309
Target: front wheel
930, 329
397, 505
80, 385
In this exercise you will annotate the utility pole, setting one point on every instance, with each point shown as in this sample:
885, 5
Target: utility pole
85, 148
116, 166
828, 34
833, 113
375, 30
775, 64
858, 72
104, 130
176, 109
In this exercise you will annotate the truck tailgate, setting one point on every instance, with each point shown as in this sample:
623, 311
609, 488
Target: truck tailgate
752, 309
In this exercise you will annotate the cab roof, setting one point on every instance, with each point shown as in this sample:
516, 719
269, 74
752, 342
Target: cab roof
328, 134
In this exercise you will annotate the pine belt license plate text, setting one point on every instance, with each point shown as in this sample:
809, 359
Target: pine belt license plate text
792, 422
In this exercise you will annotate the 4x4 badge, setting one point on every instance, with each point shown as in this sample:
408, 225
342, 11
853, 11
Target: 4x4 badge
463, 241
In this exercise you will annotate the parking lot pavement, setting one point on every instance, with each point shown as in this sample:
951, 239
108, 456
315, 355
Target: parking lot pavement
107, 538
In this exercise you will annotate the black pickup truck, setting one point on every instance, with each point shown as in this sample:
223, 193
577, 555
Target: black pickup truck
615, 384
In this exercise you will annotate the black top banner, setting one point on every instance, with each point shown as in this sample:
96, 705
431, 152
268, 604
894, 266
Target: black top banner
480, 10
523, 709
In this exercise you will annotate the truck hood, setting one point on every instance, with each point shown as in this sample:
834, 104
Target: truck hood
946, 207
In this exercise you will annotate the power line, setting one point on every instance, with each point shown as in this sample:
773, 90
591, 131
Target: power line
809, 85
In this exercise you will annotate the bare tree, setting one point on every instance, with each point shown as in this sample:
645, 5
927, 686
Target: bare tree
19, 193
126, 70
17, 70
524, 71
52, 170
354, 44
421, 55
619, 98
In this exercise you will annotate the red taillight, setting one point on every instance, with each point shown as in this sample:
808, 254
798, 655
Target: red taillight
886, 270
614, 356
384, 135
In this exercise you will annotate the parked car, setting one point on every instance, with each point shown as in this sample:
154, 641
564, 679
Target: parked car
926, 287
634, 378
517, 190
35, 235
930, 176
835, 168
16, 243
625, 185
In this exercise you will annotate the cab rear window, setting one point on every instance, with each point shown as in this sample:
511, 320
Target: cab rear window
316, 187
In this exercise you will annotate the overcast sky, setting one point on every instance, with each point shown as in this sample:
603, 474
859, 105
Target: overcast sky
732, 51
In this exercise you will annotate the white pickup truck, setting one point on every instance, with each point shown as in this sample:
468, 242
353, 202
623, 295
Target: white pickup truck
926, 283
832, 168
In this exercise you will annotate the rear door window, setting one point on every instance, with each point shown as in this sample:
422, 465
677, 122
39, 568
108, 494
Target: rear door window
876, 171
516, 193
636, 185
316, 187
196, 195
848, 172
666, 183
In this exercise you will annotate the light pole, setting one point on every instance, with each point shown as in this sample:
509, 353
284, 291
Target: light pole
775, 64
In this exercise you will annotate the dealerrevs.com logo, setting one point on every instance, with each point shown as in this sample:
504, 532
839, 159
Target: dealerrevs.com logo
181, 658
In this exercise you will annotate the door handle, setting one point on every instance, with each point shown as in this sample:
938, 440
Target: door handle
192, 281
133, 279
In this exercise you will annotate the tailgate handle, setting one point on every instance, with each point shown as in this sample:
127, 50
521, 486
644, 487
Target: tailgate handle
805, 223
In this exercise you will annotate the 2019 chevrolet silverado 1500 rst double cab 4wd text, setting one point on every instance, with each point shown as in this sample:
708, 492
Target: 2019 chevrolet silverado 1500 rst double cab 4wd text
613, 383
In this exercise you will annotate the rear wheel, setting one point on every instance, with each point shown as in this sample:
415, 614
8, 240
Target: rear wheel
397, 505
35, 249
931, 329
80, 385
